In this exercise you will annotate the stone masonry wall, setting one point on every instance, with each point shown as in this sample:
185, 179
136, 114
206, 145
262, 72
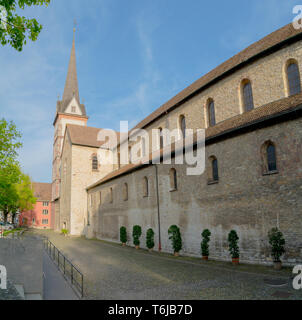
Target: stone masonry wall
244, 199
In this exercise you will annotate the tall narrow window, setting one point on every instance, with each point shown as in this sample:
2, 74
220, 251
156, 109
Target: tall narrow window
248, 101
269, 159
293, 76
173, 179
183, 126
95, 163
213, 174
129, 155
161, 138
145, 187
125, 192
100, 197
211, 113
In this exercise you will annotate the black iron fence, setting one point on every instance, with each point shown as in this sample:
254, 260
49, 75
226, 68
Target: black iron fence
70, 272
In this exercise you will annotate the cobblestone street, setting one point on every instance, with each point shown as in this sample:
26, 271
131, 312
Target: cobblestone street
113, 272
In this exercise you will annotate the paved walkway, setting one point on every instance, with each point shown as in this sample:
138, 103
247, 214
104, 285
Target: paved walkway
113, 272
55, 287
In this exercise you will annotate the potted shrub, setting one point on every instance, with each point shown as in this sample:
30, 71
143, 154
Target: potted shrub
150, 239
64, 232
123, 236
136, 233
277, 241
205, 244
233, 247
175, 237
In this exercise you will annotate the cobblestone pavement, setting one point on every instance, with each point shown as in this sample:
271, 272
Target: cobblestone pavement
115, 272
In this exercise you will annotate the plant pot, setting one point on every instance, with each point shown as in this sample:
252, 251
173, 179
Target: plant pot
124, 244
277, 265
176, 254
206, 258
150, 250
136, 247
235, 261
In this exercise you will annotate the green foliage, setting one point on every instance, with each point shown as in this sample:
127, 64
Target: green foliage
175, 237
123, 234
9, 142
277, 241
19, 28
9, 197
233, 244
26, 198
64, 231
205, 242
150, 239
136, 233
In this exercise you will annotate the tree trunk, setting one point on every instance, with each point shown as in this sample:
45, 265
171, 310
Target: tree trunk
13, 218
5, 213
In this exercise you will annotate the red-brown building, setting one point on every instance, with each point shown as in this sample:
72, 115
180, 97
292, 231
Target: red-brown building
40, 216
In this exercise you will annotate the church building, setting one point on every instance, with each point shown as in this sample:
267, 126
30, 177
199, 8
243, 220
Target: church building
250, 107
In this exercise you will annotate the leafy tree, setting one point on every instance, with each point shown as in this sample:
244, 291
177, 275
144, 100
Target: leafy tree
9, 178
9, 142
233, 244
150, 239
26, 198
205, 242
18, 28
277, 242
175, 237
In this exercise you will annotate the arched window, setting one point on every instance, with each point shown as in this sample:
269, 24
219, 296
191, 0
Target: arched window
161, 138
145, 187
173, 179
211, 113
247, 95
183, 126
269, 157
125, 192
213, 176
293, 78
95, 162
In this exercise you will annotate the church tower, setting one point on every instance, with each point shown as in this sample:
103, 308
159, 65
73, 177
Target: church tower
69, 111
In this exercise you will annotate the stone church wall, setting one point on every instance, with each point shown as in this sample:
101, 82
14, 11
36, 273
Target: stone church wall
244, 199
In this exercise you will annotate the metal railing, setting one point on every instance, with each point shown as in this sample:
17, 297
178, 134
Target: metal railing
70, 272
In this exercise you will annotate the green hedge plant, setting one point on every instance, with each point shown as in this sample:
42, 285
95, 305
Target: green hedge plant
277, 243
150, 239
205, 243
175, 237
123, 235
136, 233
233, 246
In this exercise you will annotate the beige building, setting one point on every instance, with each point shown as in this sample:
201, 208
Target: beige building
250, 107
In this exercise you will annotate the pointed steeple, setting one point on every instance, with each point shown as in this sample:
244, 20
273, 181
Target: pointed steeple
71, 85
71, 89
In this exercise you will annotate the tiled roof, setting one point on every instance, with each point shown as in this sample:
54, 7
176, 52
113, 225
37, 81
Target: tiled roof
268, 42
42, 191
86, 136
260, 114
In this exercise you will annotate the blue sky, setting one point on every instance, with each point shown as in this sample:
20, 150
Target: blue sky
132, 56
